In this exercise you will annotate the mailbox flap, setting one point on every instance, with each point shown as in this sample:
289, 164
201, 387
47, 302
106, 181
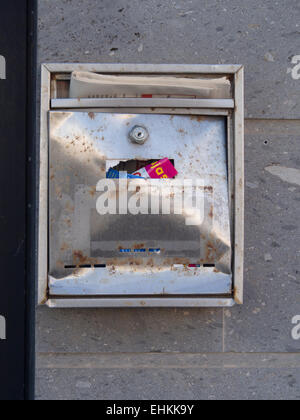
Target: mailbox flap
104, 233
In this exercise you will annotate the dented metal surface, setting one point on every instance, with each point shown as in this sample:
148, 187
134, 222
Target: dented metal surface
81, 143
126, 280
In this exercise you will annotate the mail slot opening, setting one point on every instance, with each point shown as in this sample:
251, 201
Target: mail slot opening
146, 169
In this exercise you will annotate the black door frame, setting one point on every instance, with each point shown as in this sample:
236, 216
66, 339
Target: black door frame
18, 163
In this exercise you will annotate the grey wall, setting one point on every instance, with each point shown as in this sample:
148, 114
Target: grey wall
244, 352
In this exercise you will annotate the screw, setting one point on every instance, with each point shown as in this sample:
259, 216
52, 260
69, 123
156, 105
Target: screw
138, 134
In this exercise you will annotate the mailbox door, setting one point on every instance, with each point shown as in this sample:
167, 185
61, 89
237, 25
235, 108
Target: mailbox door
146, 248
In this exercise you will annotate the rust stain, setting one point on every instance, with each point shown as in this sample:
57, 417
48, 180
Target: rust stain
182, 131
69, 207
135, 264
112, 270
236, 293
80, 259
198, 118
92, 191
138, 246
211, 212
208, 188
44, 301
64, 247
69, 223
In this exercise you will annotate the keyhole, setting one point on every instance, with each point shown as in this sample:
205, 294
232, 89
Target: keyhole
138, 135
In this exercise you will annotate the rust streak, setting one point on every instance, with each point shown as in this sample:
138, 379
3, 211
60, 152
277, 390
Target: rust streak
198, 118
92, 191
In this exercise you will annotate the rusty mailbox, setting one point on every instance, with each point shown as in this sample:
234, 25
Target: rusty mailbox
141, 185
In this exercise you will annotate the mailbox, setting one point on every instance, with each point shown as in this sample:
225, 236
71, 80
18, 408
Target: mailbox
141, 185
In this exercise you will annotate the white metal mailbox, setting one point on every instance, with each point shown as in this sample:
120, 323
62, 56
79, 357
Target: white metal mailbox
142, 249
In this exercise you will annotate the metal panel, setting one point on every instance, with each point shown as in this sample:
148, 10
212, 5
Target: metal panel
182, 301
157, 110
145, 68
139, 102
239, 188
43, 188
80, 146
126, 281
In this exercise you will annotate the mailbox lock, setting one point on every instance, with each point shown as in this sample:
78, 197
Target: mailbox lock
138, 134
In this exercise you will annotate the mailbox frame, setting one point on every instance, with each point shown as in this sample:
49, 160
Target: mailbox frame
232, 109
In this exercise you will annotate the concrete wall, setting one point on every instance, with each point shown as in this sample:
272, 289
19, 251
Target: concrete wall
245, 352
